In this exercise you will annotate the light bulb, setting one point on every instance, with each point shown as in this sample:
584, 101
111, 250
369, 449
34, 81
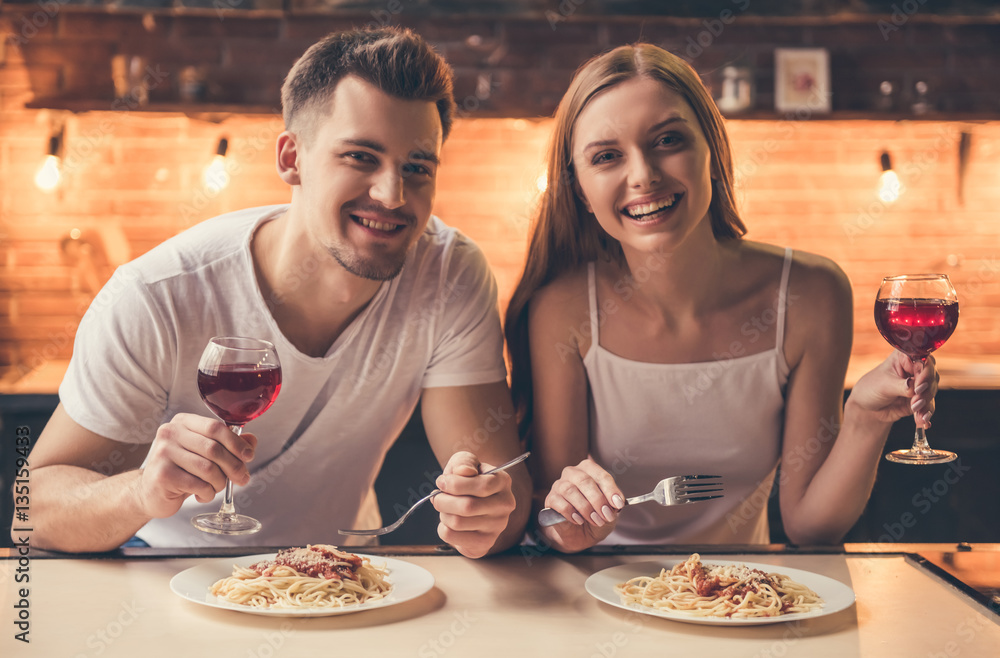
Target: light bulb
216, 178
48, 175
888, 186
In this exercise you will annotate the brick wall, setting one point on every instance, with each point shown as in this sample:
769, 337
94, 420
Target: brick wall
133, 178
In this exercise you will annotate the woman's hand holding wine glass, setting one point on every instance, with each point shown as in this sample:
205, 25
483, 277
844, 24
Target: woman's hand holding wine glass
916, 314
897, 388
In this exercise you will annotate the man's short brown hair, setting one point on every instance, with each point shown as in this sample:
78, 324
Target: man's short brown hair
397, 61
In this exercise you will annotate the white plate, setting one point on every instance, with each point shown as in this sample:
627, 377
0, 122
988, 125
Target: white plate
408, 582
836, 595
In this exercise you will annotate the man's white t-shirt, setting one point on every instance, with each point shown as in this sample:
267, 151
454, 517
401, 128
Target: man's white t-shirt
321, 444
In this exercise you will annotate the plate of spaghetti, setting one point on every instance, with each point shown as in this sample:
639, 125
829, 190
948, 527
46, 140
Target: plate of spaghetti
316, 581
721, 592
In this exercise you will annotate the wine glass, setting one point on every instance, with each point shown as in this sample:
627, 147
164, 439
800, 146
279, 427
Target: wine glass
916, 314
239, 378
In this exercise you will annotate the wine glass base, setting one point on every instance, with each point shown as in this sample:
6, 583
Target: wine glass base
226, 524
923, 457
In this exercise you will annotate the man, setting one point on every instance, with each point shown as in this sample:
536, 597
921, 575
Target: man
372, 304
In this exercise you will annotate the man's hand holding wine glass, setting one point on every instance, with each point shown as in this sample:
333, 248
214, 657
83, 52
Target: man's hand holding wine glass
192, 456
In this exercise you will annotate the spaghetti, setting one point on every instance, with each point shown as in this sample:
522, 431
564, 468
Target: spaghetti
317, 576
702, 590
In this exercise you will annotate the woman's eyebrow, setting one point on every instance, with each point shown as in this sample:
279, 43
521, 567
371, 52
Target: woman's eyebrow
600, 143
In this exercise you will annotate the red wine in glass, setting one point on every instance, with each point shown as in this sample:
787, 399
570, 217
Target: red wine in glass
239, 379
916, 314
237, 393
916, 327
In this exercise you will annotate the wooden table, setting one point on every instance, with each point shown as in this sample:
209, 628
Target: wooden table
523, 603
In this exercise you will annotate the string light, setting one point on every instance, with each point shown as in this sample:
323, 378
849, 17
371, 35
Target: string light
50, 172
215, 177
889, 188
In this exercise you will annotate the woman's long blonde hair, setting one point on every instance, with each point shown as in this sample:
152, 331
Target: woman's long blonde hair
563, 235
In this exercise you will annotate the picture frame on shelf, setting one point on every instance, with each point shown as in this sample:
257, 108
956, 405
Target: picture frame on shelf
802, 80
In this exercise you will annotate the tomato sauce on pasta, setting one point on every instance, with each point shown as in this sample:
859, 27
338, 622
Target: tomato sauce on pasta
317, 576
704, 590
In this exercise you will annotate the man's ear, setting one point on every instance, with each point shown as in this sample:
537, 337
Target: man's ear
288, 158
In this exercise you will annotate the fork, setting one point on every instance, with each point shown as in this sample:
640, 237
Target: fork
676, 490
378, 532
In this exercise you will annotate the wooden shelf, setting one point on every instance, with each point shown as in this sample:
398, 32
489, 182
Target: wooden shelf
218, 111
859, 115
209, 111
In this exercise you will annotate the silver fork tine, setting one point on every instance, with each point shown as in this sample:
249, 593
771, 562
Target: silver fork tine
698, 481
696, 492
696, 500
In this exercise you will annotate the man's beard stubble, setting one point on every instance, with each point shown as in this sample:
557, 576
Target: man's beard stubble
372, 269
366, 268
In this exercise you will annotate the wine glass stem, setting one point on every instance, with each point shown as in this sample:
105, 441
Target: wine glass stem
919, 438
227, 503
920, 441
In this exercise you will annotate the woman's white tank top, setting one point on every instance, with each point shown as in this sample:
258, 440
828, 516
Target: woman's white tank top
649, 421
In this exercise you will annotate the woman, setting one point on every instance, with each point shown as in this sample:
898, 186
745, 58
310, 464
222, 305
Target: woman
648, 339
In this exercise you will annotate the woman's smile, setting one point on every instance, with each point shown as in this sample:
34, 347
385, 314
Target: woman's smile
648, 211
